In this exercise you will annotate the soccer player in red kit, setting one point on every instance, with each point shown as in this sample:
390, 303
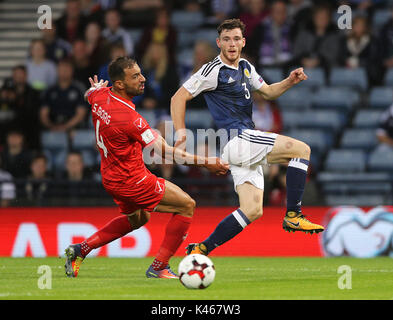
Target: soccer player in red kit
121, 134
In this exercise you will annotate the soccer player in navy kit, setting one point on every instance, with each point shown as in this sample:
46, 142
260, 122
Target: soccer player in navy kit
226, 83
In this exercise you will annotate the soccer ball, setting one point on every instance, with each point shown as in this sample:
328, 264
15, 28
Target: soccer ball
196, 271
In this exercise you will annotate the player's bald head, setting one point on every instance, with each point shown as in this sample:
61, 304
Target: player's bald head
117, 66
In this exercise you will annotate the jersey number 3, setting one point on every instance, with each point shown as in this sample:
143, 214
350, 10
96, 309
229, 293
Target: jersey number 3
247, 94
100, 141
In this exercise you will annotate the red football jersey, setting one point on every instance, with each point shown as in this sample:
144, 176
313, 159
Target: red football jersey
121, 134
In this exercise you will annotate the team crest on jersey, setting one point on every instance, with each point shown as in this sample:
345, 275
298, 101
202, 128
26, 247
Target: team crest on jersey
140, 124
247, 73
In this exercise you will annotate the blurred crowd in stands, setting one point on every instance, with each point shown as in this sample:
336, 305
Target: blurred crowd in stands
46, 93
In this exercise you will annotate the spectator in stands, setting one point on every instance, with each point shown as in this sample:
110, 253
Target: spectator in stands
72, 23
203, 53
114, 33
256, 12
385, 128
56, 48
97, 47
63, 107
161, 32
117, 51
83, 69
15, 158
271, 42
161, 77
75, 167
7, 107
299, 15
266, 115
77, 177
37, 183
41, 72
221, 10
318, 45
24, 102
140, 13
383, 56
7, 188
357, 44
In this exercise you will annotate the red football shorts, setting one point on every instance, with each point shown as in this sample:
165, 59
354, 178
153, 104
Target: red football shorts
144, 194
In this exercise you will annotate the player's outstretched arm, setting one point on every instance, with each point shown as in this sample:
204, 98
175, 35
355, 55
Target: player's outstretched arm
178, 113
273, 91
178, 155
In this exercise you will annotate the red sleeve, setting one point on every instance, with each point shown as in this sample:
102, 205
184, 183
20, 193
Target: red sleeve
92, 93
141, 131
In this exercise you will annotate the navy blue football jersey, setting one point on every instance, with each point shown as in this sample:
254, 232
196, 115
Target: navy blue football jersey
227, 91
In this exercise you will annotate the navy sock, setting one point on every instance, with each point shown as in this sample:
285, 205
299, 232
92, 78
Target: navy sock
228, 228
296, 181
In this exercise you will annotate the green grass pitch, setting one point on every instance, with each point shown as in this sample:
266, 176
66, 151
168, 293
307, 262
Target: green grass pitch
236, 278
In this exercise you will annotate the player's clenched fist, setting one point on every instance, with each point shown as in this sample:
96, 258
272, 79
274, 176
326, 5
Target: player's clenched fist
297, 76
217, 166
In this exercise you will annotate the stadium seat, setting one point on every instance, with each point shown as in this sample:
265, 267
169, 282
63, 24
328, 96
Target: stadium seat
54, 141
367, 118
341, 99
352, 78
316, 139
209, 35
380, 17
381, 97
361, 200
291, 119
185, 20
135, 34
344, 160
185, 58
336, 183
359, 139
328, 120
316, 78
84, 139
185, 39
295, 99
381, 159
272, 75
388, 80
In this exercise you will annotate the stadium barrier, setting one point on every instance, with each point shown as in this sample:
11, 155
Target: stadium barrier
42, 232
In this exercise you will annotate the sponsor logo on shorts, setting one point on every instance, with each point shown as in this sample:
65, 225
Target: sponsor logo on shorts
160, 187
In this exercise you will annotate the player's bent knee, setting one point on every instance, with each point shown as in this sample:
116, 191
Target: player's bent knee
253, 213
139, 220
189, 208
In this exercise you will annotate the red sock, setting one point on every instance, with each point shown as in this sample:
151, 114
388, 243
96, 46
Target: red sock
114, 229
175, 233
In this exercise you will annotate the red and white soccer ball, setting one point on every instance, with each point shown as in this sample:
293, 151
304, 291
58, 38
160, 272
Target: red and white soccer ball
196, 271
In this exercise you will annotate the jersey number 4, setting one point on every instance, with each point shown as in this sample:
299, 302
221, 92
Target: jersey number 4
100, 141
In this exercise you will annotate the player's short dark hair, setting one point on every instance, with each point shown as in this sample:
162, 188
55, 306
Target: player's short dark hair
117, 66
231, 24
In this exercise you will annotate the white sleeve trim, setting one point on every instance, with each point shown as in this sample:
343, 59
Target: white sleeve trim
198, 83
